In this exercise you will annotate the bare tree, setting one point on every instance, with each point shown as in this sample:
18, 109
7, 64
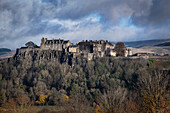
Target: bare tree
113, 101
153, 88
78, 103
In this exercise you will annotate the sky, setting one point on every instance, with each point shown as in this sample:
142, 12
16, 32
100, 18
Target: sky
75, 20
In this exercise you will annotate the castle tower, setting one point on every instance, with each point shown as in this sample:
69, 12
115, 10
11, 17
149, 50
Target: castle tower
43, 40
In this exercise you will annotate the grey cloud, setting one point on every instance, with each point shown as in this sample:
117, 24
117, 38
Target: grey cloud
159, 14
142, 10
21, 19
109, 9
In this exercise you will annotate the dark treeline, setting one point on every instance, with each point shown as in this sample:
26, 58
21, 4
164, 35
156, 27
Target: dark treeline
104, 84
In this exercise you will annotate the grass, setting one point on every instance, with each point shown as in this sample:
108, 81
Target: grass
51, 108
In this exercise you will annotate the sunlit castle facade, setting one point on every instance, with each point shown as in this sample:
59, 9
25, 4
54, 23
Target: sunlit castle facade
54, 44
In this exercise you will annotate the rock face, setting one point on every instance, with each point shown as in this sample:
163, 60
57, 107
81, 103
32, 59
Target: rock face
36, 54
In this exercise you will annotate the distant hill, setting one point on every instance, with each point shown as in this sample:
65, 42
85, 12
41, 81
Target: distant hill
138, 44
164, 44
4, 51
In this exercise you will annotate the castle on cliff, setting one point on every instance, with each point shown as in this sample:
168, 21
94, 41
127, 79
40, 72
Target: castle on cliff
88, 49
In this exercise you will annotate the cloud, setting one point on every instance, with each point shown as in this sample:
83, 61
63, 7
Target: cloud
115, 20
158, 14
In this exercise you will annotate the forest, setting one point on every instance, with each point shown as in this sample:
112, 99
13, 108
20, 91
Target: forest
103, 85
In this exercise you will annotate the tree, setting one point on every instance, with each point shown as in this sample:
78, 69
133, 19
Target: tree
20, 104
120, 49
78, 103
2, 96
153, 89
42, 99
112, 101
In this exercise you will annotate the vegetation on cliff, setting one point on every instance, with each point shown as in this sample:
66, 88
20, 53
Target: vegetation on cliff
102, 85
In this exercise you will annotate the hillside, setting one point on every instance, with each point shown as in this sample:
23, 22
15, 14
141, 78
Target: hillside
160, 50
164, 44
4, 51
138, 44
47, 78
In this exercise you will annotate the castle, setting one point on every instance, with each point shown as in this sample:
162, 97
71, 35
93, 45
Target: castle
87, 49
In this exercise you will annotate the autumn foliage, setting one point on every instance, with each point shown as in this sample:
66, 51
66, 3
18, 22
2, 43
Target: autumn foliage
21, 104
154, 92
42, 99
